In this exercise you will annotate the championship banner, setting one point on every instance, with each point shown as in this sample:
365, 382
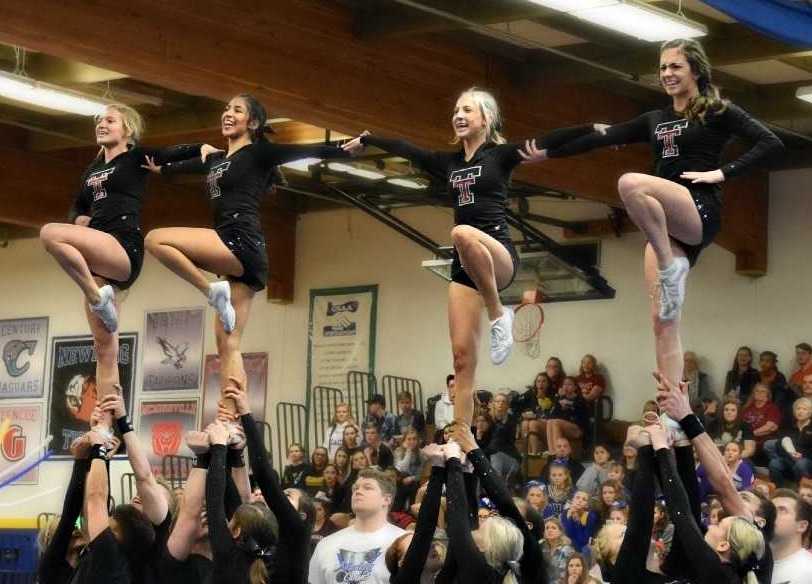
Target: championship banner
162, 425
73, 386
256, 369
341, 334
23, 429
173, 349
24, 342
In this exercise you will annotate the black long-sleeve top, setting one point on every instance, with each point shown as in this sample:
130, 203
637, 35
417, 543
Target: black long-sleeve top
503, 436
290, 561
572, 410
113, 189
681, 146
236, 184
419, 548
477, 187
532, 562
53, 567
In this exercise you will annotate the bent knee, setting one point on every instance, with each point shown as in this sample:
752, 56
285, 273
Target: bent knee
631, 183
50, 232
464, 358
154, 239
462, 235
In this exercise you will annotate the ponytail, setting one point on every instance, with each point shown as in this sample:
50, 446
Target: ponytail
257, 114
258, 573
709, 99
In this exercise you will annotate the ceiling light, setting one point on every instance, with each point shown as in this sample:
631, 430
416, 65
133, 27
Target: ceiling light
641, 21
349, 169
26, 90
409, 184
804, 93
302, 165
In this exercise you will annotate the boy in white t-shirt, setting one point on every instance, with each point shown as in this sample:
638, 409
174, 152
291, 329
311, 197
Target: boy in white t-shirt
792, 564
355, 555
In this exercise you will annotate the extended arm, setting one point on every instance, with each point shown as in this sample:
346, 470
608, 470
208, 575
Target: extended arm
630, 132
766, 145
429, 160
274, 154
221, 543
471, 565
183, 535
96, 498
173, 153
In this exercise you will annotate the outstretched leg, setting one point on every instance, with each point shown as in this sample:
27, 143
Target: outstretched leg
464, 317
228, 344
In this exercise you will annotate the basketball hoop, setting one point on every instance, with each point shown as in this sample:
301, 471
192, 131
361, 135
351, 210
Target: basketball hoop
527, 322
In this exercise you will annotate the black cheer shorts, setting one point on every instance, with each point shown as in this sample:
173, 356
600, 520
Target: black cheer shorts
708, 201
127, 231
502, 235
247, 244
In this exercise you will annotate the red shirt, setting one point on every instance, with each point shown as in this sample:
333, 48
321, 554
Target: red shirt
797, 379
757, 417
587, 383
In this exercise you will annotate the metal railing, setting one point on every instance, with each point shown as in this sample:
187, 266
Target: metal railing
392, 385
175, 469
361, 386
291, 426
323, 402
127, 483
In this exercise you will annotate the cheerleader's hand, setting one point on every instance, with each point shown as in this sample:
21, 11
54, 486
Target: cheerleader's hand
531, 153
206, 150
711, 177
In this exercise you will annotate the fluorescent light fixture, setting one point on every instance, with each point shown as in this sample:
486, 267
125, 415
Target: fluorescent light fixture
302, 165
23, 89
403, 182
641, 21
804, 93
349, 169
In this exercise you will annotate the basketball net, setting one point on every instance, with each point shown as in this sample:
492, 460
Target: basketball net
527, 322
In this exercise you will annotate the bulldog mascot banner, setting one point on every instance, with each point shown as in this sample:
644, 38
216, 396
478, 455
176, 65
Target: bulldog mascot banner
162, 427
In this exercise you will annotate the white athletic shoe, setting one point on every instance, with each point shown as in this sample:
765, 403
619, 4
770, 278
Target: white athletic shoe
502, 337
678, 435
672, 288
106, 308
220, 299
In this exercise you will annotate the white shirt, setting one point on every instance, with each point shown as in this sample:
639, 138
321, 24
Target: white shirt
350, 556
443, 412
334, 439
794, 569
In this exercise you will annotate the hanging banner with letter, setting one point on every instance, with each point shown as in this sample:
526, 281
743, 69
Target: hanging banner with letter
173, 349
162, 426
20, 428
341, 334
23, 342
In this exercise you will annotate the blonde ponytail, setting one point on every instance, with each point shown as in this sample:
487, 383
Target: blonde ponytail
258, 573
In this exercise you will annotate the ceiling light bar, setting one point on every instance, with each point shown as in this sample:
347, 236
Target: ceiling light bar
804, 93
26, 90
634, 19
302, 165
349, 169
403, 182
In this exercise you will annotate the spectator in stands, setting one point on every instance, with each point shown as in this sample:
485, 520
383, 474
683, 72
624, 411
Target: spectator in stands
569, 417
559, 489
729, 427
619, 513
580, 523
409, 462
792, 564
358, 462
408, 417
297, 468
314, 479
699, 390
742, 375
791, 453
611, 492
741, 471
662, 534
501, 449
617, 472
762, 415
483, 426
563, 456
805, 490
342, 464
596, 473
535, 405
360, 548
333, 489
335, 433
351, 441
578, 571
323, 526
385, 421
556, 548
629, 466
377, 453
803, 359
769, 375
555, 371
591, 384
806, 387
444, 408
536, 497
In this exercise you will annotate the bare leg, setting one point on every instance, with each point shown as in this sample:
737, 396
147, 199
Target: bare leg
186, 251
486, 261
537, 430
558, 428
82, 251
105, 344
660, 208
464, 321
228, 344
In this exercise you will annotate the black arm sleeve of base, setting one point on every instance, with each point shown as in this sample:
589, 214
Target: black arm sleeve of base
54, 555
630, 132
435, 163
548, 141
766, 145
706, 568
188, 166
419, 549
173, 153
272, 154
631, 562
232, 499
222, 545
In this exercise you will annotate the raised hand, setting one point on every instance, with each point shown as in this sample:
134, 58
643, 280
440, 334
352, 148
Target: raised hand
198, 442
452, 450
236, 439
710, 177
151, 166
461, 434
206, 150
114, 403
235, 390
601, 128
674, 401
354, 146
434, 453
218, 433
531, 153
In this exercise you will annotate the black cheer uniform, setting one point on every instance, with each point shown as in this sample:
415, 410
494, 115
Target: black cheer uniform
478, 187
681, 146
112, 195
236, 185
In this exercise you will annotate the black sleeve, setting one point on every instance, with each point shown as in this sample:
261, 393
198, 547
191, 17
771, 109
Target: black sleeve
630, 132
766, 145
222, 545
471, 564
435, 163
188, 166
420, 546
532, 561
172, 153
232, 499
81, 203
548, 141
54, 554
385, 457
631, 563
272, 154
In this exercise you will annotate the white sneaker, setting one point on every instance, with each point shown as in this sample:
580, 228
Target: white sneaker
672, 288
106, 308
220, 299
678, 435
502, 337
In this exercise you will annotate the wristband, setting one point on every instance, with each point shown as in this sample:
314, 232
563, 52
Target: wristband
98, 451
691, 425
202, 460
235, 458
123, 425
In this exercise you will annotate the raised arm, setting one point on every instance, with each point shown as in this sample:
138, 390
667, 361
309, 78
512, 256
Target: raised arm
433, 162
152, 495
221, 543
96, 490
630, 132
766, 145
183, 534
273, 154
